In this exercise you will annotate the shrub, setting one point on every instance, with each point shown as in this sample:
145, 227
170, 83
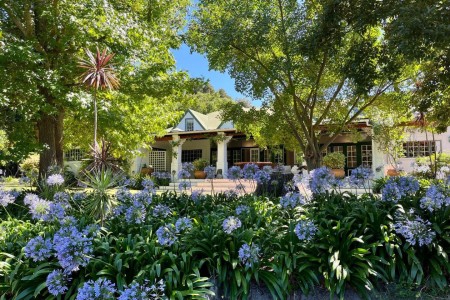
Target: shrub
334, 160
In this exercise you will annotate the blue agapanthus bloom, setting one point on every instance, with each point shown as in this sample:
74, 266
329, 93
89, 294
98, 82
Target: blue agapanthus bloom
210, 172
230, 224
360, 176
183, 224
261, 177
166, 235
184, 185
79, 196
188, 166
415, 231
30, 198
129, 182
6, 198
135, 213
73, 248
435, 198
38, 249
249, 171
231, 194
242, 210
56, 212
399, 187
305, 230
61, 197
234, 173
148, 184
183, 174
101, 289
249, 255
57, 282
123, 195
196, 195
144, 292
145, 196
39, 209
292, 200
321, 180
161, 211
55, 179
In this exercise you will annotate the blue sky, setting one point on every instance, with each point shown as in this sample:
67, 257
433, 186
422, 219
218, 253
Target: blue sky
197, 66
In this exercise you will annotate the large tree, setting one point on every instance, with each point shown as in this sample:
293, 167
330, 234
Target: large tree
312, 62
41, 41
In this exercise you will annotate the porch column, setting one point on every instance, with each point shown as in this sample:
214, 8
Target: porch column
378, 160
177, 146
222, 162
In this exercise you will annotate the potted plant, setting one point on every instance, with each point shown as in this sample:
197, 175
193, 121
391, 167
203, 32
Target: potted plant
199, 166
146, 170
336, 162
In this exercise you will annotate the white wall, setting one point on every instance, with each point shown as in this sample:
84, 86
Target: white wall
204, 144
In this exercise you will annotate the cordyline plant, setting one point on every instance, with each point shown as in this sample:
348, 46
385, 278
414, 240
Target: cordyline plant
98, 74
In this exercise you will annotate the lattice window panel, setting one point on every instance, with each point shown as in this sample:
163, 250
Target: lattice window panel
73, 155
351, 156
157, 159
366, 155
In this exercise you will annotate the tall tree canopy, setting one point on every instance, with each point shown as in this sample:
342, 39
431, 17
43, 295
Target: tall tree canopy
312, 62
40, 43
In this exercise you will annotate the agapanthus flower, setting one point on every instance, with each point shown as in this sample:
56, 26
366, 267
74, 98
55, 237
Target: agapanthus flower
57, 282
415, 231
148, 184
166, 235
321, 180
144, 292
249, 171
249, 255
30, 198
38, 249
435, 198
73, 248
188, 166
268, 169
231, 194
210, 172
230, 224
183, 224
196, 195
123, 194
6, 198
183, 174
55, 179
79, 196
39, 209
422, 169
261, 177
399, 187
61, 197
101, 289
161, 210
234, 173
292, 200
305, 230
242, 210
129, 182
162, 175
135, 213
184, 185
360, 176
56, 212
145, 196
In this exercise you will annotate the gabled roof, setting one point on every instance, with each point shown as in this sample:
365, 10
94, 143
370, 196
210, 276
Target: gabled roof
209, 121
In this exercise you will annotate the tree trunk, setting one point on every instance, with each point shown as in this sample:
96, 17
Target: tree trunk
46, 126
313, 158
59, 125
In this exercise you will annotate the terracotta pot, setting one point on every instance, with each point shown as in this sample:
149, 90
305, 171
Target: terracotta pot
199, 174
338, 173
146, 171
392, 172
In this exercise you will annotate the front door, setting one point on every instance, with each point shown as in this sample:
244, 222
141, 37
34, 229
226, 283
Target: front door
356, 154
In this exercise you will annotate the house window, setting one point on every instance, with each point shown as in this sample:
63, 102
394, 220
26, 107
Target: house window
351, 156
189, 124
191, 155
157, 159
254, 154
366, 155
74, 155
237, 156
419, 148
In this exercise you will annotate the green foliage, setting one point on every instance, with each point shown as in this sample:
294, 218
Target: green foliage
200, 164
334, 160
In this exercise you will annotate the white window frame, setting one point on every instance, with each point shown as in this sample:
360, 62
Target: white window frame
251, 156
189, 124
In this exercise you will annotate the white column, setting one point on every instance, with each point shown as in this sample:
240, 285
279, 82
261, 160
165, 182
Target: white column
378, 160
177, 146
222, 162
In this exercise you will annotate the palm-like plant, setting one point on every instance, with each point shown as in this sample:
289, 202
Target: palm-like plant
98, 74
